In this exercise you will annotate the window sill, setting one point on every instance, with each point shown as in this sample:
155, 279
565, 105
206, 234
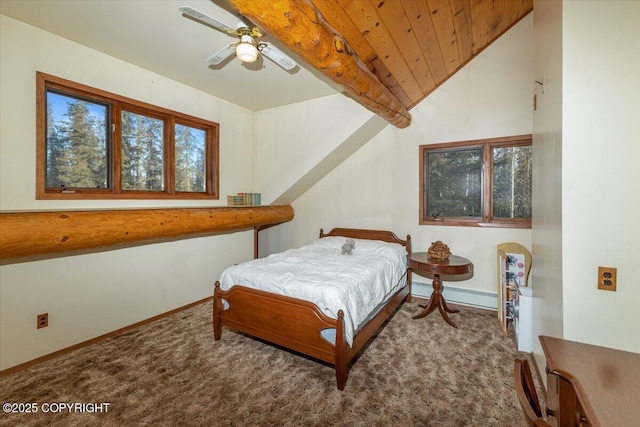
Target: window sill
471, 223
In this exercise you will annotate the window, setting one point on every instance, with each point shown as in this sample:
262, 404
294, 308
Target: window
93, 144
477, 183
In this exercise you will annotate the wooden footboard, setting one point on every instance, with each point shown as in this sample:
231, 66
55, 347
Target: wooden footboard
292, 323
297, 324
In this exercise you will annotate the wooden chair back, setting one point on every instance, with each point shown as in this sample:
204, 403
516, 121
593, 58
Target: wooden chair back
526, 390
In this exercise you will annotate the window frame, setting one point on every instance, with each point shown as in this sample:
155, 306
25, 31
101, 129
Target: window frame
487, 219
117, 104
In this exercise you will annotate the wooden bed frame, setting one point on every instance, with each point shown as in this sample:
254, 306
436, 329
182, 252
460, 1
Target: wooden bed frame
296, 324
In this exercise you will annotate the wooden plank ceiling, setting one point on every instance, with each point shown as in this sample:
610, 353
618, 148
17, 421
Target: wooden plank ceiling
411, 46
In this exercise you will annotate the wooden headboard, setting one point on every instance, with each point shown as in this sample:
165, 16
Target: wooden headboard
356, 233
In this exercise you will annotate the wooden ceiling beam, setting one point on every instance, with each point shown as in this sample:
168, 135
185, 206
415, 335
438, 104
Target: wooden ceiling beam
29, 234
301, 27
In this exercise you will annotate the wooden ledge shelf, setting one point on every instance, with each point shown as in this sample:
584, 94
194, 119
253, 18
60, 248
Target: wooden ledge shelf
28, 234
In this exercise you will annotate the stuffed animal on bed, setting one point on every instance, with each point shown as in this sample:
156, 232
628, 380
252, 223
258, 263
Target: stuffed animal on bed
348, 247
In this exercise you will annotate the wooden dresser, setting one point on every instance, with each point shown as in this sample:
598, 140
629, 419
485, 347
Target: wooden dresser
591, 385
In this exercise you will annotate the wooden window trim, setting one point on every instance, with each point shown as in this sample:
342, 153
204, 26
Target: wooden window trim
45, 81
487, 183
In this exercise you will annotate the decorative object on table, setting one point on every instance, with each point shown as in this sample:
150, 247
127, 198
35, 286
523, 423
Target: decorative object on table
348, 247
439, 251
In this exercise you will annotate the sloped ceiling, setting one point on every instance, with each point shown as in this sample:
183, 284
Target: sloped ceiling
410, 46
153, 35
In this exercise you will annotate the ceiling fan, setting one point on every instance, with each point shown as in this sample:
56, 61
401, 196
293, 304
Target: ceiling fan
247, 46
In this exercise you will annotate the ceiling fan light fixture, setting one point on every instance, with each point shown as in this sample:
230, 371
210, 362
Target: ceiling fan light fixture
246, 48
246, 52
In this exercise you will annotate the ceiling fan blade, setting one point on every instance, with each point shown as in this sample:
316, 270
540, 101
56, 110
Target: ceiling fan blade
277, 56
222, 54
207, 20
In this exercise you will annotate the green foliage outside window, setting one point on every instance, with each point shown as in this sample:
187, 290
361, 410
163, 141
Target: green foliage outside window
190, 159
455, 183
93, 144
479, 183
512, 182
142, 152
76, 143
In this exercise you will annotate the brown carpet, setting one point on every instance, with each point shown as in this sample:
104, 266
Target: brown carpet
172, 373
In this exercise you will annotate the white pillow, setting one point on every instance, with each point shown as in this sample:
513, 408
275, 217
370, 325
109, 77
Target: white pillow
361, 245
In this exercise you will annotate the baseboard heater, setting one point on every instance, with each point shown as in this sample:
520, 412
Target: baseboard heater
481, 299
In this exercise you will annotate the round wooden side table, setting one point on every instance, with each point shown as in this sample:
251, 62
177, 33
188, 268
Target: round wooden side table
455, 265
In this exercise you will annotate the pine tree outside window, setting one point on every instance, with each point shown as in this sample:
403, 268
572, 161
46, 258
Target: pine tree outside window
190, 162
142, 152
95, 145
477, 183
77, 142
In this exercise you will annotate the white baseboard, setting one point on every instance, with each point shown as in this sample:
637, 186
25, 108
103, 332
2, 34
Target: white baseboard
481, 299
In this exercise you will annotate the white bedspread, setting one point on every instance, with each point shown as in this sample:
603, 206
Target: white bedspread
318, 272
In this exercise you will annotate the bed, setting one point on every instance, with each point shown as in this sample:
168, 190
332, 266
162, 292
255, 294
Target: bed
332, 330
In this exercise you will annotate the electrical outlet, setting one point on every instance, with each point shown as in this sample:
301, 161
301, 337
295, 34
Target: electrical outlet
42, 320
607, 278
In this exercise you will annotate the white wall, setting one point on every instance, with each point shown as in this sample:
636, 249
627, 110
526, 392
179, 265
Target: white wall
292, 139
586, 137
546, 272
377, 187
600, 173
90, 295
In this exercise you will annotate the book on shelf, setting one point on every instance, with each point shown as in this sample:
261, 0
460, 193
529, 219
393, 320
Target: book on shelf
235, 201
244, 199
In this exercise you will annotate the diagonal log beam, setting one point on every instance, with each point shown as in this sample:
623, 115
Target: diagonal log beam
299, 25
